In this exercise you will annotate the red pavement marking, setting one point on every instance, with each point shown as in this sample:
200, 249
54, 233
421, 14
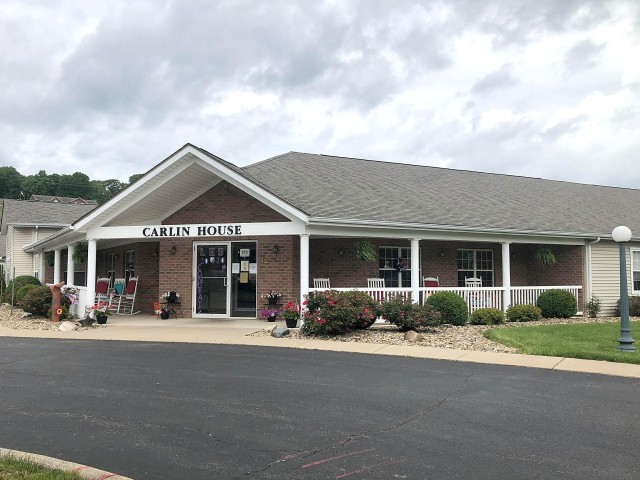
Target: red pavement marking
105, 476
81, 467
387, 462
335, 458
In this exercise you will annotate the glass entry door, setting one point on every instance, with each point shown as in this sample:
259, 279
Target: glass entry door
225, 279
212, 279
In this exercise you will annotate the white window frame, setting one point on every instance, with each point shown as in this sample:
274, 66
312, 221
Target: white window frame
111, 267
475, 264
407, 269
635, 267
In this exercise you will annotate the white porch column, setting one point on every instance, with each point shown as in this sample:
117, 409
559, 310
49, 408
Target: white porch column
56, 265
42, 266
415, 270
304, 266
506, 276
70, 265
91, 272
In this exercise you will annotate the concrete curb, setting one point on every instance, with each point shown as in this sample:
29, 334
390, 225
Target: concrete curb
83, 471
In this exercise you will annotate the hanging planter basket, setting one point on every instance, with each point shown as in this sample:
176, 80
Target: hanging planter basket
366, 251
545, 256
80, 253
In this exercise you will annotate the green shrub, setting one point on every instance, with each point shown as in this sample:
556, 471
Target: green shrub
22, 291
37, 301
421, 318
487, 316
556, 303
451, 306
395, 310
19, 282
366, 309
634, 307
523, 313
593, 307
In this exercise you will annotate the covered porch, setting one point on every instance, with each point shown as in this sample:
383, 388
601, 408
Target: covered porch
510, 272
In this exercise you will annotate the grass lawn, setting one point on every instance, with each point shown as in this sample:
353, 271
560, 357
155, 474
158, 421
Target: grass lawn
592, 341
14, 469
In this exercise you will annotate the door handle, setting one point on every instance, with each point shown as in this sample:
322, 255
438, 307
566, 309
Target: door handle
225, 281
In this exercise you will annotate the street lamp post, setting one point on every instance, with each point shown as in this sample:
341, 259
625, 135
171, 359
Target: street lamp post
625, 343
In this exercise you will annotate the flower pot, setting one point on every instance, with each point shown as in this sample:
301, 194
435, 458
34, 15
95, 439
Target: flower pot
272, 318
102, 319
164, 315
291, 322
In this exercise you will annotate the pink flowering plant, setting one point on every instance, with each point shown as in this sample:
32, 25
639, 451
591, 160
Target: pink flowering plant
328, 313
101, 309
269, 313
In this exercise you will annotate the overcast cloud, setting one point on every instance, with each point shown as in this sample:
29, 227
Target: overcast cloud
542, 88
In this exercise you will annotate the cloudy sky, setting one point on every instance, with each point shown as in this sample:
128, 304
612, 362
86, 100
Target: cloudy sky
543, 88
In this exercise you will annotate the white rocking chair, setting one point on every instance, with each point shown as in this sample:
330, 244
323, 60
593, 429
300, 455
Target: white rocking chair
321, 283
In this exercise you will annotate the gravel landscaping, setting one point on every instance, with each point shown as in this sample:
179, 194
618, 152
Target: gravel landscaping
468, 337
15, 321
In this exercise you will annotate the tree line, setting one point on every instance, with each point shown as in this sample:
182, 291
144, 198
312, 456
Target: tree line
16, 186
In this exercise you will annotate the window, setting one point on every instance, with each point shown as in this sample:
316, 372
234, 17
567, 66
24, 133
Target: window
477, 264
388, 258
129, 265
635, 270
111, 267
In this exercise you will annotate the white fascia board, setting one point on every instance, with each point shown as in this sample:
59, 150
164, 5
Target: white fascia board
158, 232
436, 233
58, 240
219, 169
251, 188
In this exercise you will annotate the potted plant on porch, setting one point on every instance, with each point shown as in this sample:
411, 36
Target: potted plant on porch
269, 314
101, 312
291, 314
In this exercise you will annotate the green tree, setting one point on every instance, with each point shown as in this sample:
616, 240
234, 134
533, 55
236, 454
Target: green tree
40, 184
10, 180
74, 185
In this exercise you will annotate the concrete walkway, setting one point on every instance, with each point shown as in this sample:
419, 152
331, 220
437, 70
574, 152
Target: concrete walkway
145, 328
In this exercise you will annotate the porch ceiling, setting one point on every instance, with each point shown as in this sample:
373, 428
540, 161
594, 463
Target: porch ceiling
163, 195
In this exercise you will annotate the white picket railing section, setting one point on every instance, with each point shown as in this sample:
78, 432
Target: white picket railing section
476, 297
529, 295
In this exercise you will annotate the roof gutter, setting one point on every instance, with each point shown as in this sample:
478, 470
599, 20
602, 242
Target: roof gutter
445, 228
32, 247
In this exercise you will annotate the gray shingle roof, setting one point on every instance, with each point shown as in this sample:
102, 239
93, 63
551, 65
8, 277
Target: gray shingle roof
26, 212
366, 190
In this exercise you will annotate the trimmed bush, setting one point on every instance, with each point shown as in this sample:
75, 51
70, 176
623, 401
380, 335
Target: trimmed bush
396, 310
409, 316
19, 282
487, 316
23, 291
365, 306
523, 313
634, 307
451, 306
556, 303
421, 318
37, 301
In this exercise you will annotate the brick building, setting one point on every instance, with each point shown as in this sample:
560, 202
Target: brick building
224, 236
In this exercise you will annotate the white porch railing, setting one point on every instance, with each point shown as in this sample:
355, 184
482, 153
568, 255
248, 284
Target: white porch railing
77, 310
476, 297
